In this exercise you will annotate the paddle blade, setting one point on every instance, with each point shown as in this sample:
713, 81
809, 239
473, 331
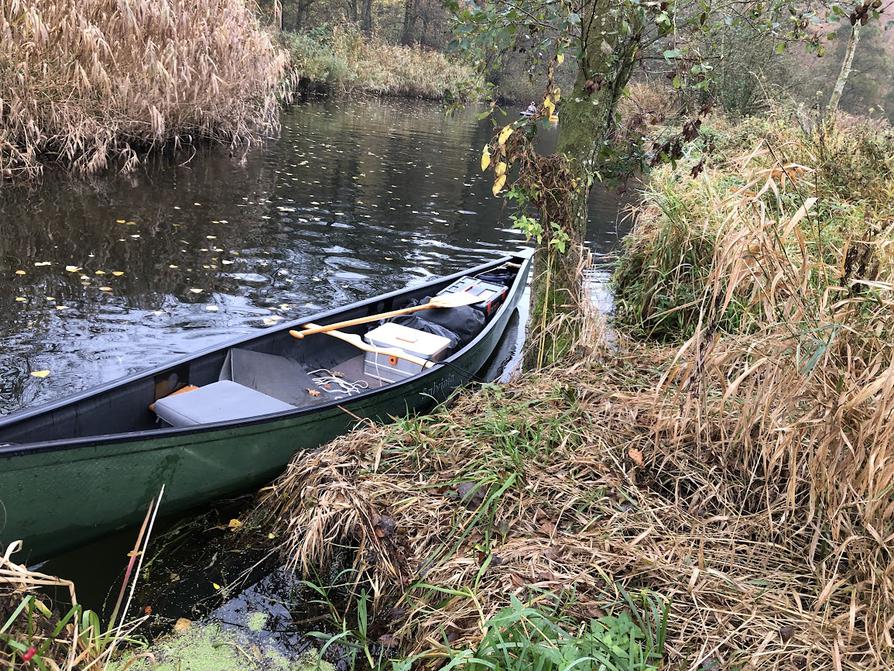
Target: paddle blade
454, 300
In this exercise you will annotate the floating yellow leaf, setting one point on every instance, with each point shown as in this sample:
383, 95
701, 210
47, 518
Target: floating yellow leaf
117, 273
72, 269
105, 288
485, 158
40, 264
271, 535
174, 267
20, 272
234, 523
215, 585
195, 291
100, 272
21, 299
120, 221
498, 184
560, 58
504, 135
500, 169
40, 373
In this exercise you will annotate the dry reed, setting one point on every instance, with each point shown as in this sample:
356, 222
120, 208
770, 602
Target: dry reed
745, 477
86, 83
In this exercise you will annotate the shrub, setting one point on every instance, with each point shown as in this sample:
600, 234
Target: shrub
86, 82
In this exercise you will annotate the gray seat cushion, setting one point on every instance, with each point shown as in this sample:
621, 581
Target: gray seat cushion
218, 402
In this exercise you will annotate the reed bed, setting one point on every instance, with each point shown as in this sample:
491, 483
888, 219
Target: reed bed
742, 477
94, 83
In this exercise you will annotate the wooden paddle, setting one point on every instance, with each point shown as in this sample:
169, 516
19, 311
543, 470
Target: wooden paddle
454, 300
359, 343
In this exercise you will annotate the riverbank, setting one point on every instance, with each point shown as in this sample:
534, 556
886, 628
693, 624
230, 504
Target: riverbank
716, 499
342, 60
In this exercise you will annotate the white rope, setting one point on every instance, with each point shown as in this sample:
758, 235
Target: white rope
333, 382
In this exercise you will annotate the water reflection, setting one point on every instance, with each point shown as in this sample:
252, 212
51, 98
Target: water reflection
102, 278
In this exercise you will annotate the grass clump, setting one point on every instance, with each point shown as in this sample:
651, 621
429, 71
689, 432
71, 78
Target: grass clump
832, 183
86, 83
342, 59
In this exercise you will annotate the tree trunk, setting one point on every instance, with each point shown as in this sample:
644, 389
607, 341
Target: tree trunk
366, 22
407, 34
846, 67
609, 44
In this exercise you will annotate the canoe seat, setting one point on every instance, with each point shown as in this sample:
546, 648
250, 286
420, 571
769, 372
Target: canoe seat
276, 376
217, 402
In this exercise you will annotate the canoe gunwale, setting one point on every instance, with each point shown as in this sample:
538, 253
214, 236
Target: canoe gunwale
14, 449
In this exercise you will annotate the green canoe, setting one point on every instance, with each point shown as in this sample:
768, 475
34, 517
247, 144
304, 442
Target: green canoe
83, 466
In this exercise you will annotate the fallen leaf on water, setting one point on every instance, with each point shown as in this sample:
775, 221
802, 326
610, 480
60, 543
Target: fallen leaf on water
105, 288
172, 266
485, 158
40, 373
21, 299
40, 264
20, 272
73, 269
215, 585
100, 272
195, 291
117, 273
120, 221
234, 523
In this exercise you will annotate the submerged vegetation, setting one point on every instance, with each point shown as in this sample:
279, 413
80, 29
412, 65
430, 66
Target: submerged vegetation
89, 84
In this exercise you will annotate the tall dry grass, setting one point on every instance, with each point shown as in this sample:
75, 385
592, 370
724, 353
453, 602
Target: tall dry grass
744, 476
87, 83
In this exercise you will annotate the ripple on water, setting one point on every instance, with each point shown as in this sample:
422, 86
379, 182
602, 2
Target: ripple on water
355, 198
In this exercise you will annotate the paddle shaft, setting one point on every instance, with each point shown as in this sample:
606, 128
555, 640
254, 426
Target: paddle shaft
358, 342
360, 320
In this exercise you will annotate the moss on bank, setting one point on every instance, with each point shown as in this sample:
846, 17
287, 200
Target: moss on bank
208, 647
342, 59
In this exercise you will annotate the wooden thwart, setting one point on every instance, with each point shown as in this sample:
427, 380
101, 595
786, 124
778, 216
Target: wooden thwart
455, 300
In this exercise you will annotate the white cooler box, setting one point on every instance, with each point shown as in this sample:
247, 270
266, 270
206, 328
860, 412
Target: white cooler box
412, 341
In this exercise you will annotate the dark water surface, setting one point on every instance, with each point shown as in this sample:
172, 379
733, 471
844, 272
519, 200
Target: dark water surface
103, 278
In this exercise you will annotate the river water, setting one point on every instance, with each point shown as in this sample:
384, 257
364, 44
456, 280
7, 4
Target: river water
102, 278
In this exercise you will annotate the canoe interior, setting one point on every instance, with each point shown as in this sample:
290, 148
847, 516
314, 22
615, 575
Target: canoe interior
123, 407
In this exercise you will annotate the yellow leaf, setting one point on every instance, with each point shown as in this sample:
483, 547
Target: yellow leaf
120, 221
549, 106
21, 299
117, 273
500, 169
271, 535
72, 269
234, 523
195, 291
504, 135
105, 288
100, 272
560, 58
557, 94
215, 585
40, 373
485, 158
498, 184
20, 272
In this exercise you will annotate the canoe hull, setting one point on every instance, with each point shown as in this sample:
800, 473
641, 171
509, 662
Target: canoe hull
60, 498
